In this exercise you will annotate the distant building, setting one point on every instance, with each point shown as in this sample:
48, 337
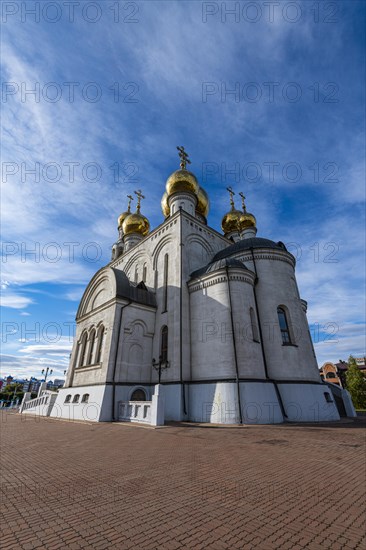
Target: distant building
55, 384
329, 373
8, 380
31, 385
336, 372
58, 383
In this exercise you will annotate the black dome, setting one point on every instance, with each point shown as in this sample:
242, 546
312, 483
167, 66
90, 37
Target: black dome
245, 244
215, 265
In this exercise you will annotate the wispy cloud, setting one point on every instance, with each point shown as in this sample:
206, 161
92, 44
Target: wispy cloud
15, 301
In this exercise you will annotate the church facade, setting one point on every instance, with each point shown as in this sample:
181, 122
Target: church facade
216, 318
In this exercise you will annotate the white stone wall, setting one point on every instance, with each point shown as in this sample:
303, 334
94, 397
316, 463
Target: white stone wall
215, 402
97, 409
83, 375
307, 403
277, 287
133, 361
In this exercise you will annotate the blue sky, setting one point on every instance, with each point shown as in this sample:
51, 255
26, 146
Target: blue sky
276, 98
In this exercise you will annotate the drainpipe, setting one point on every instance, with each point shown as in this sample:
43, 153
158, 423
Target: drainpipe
261, 338
115, 361
181, 315
234, 346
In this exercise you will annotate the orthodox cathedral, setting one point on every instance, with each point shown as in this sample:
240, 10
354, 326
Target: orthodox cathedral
213, 321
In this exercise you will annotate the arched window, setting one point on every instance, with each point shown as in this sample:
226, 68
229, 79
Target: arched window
138, 395
282, 320
164, 344
76, 398
144, 273
91, 347
253, 322
85, 398
165, 283
83, 348
98, 357
68, 399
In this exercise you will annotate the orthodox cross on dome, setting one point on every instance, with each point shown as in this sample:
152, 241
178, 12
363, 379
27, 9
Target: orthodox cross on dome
231, 196
139, 197
183, 155
243, 201
130, 198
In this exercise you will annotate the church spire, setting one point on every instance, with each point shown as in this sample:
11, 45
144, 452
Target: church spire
241, 194
231, 192
140, 196
247, 221
183, 155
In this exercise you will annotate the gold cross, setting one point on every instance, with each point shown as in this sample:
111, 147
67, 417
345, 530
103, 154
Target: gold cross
129, 202
183, 155
139, 197
231, 196
243, 201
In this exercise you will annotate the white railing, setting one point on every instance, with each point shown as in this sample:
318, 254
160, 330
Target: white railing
134, 411
33, 403
41, 405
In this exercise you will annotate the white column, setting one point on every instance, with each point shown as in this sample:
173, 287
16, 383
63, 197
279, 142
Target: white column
158, 407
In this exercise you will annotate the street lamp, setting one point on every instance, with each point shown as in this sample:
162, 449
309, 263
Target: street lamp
160, 365
46, 371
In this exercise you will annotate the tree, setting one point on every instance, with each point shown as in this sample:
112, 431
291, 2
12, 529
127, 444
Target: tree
12, 391
356, 384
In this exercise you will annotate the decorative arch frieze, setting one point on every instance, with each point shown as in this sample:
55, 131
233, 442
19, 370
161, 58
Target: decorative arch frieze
159, 247
99, 291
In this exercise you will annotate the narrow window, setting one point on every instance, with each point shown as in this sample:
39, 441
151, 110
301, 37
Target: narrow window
144, 273
100, 345
253, 322
76, 398
164, 344
85, 398
84, 345
68, 399
282, 319
165, 291
91, 347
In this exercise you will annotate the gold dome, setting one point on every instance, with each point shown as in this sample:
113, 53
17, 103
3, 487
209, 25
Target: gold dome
203, 202
232, 221
164, 205
180, 181
247, 220
122, 218
136, 223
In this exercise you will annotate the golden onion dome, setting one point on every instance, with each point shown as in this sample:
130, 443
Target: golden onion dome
203, 202
231, 221
164, 205
136, 223
122, 218
182, 181
247, 220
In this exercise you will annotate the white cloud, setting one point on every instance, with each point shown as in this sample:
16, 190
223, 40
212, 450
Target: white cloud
15, 301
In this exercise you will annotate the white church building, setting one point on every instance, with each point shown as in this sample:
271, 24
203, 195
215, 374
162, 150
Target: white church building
217, 318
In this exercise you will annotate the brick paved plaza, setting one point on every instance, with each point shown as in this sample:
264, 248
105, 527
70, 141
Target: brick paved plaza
80, 485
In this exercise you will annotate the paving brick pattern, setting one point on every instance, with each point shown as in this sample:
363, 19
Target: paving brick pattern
77, 485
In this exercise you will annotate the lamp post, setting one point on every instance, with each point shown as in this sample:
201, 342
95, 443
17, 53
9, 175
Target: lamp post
47, 370
160, 365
